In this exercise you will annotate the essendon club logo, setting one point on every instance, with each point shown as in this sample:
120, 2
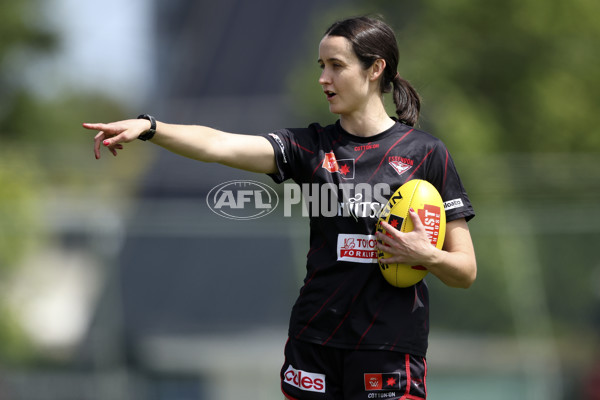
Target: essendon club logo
382, 381
400, 164
343, 167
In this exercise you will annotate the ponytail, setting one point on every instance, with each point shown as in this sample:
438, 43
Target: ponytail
407, 100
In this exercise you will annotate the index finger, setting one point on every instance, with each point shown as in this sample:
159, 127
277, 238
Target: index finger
96, 126
389, 229
416, 220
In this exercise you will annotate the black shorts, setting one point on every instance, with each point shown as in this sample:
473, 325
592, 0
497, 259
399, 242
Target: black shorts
313, 371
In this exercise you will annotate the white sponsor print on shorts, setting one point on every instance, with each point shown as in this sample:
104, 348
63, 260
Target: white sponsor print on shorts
308, 381
356, 248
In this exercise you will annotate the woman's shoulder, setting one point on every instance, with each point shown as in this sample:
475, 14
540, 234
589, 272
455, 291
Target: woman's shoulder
313, 131
314, 127
425, 136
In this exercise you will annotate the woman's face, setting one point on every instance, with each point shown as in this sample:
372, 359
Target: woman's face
344, 81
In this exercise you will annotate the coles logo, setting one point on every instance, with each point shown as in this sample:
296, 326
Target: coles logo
308, 381
242, 199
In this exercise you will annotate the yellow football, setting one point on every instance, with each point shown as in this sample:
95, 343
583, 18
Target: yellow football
424, 198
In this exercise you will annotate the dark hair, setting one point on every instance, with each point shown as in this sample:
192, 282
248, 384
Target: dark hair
373, 39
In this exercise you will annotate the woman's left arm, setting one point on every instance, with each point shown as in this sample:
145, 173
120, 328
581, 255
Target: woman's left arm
455, 264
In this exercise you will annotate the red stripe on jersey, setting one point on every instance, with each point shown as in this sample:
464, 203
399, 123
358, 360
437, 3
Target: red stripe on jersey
317, 168
308, 280
363, 152
387, 152
343, 319
337, 327
359, 156
320, 308
367, 330
419, 166
313, 251
396, 341
302, 147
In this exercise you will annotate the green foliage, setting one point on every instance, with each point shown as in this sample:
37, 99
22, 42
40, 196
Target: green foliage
31, 119
20, 27
19, 214
39, 138
19, 232
21, 36
521, 73
16, 349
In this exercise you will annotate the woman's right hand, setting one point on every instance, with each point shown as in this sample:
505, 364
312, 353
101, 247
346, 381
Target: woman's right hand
248, 152
113, 134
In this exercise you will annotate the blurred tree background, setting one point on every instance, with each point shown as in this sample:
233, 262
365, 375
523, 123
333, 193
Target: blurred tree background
41, 145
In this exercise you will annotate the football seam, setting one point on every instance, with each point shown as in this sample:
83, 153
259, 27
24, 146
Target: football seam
412, 196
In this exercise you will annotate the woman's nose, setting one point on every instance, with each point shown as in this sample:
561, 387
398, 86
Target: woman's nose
324, 78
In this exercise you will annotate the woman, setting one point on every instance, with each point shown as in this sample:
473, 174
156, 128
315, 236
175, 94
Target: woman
352, 335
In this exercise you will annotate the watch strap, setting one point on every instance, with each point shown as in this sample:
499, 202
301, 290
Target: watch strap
147, 135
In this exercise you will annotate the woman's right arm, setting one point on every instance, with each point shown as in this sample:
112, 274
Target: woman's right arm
247, 152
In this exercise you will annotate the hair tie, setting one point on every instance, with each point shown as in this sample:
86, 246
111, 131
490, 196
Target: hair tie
397, 75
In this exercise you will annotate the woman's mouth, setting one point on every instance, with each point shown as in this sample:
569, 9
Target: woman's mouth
330, 95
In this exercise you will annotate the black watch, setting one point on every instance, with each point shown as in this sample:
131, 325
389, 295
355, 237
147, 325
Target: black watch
150, 132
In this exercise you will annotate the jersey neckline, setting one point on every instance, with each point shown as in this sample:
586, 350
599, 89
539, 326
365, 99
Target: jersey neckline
368, 139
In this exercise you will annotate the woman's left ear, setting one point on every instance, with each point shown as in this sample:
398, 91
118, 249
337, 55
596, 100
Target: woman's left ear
377, 69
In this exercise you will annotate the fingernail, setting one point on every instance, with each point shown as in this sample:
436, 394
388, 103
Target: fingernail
106, 143
412, 209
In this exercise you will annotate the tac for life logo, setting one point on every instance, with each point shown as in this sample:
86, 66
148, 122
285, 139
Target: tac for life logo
242, 199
